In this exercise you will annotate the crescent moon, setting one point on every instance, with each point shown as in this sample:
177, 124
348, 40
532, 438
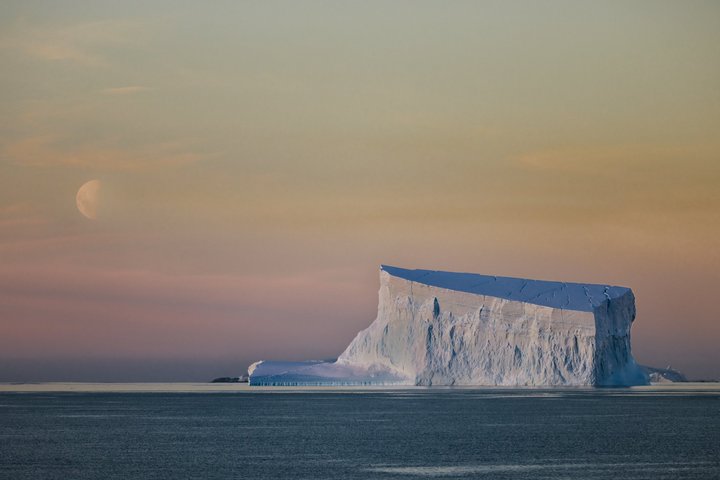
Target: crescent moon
87, 199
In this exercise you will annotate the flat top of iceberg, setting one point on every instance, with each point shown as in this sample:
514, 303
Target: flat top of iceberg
569, 296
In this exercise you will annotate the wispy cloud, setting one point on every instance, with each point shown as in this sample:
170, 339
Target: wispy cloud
129, 90
49, 150
597, 159
81, 43
18, 215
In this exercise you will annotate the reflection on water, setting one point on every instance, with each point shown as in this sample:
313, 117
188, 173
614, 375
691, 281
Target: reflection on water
580, 469
170, 431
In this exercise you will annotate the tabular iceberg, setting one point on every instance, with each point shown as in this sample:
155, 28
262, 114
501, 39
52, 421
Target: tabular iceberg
442, 328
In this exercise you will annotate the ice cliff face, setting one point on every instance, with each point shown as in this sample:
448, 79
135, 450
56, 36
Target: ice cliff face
441, 328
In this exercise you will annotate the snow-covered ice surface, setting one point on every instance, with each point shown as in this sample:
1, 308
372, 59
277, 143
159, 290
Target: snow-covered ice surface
316, 372
582, 297
443, 328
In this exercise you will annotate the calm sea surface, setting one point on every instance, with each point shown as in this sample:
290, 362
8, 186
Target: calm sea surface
329, 434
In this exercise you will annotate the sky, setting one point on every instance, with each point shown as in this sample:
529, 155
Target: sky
260, 160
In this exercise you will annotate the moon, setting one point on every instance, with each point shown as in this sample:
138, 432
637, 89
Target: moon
87, 199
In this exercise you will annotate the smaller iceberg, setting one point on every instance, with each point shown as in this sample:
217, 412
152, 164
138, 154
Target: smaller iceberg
663, 375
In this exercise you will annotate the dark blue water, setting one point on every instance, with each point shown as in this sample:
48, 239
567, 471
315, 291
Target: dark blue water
448, 433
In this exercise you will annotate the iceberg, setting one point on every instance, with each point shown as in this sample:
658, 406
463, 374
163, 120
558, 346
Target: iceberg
444, 328
663, 375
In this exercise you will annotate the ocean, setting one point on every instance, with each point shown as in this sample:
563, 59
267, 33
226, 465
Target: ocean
237, 432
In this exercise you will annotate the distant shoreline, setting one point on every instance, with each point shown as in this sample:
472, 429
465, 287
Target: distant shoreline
195, 387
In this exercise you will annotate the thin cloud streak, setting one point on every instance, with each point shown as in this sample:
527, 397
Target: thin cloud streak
608, 159
48, 151
81, 43
129, 90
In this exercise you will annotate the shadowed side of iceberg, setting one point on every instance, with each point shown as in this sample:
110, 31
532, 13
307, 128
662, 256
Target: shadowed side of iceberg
614, 363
